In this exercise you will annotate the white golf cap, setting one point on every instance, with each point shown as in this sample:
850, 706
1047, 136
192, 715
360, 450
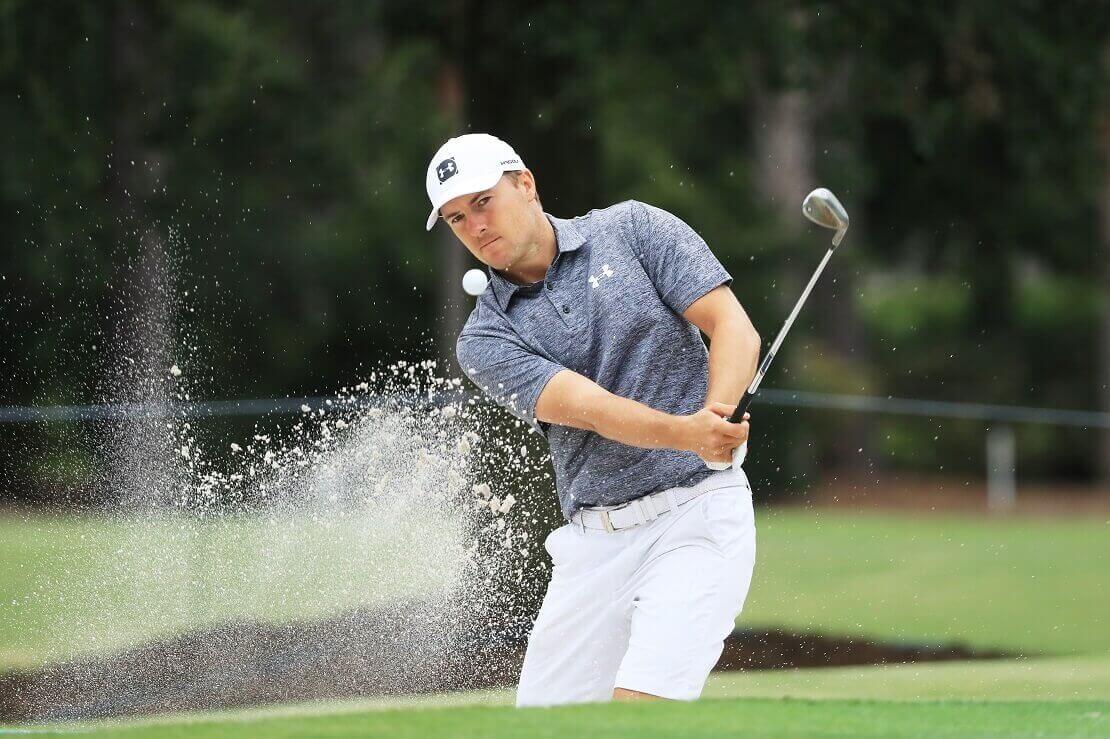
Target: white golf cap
467, 164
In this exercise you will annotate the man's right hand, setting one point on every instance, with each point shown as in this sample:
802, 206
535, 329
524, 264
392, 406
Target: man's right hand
708, 433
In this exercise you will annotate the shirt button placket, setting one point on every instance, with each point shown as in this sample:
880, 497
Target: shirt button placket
559, 306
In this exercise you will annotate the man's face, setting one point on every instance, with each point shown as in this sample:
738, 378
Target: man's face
497, 225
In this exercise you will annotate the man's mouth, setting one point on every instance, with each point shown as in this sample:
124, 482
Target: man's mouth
489, 242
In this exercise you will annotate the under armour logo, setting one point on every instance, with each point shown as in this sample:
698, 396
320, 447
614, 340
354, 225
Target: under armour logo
606, 271
446, 169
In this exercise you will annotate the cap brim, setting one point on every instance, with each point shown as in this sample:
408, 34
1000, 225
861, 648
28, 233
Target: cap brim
464, 187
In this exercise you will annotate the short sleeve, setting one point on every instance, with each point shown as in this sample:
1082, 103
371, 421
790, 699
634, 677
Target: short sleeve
498, 362
677, 260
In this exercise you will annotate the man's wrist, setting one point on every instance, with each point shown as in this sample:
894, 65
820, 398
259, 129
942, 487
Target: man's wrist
675, 427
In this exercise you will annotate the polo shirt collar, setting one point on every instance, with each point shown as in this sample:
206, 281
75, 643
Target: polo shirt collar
567, 238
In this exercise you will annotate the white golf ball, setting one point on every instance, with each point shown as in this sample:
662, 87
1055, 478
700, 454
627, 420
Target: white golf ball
475, 281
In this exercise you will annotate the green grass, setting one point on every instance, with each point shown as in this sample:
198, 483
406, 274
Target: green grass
1028, 585
1039, 680
760, 717
1042, 678
1055, 696
1019, 584
71, 584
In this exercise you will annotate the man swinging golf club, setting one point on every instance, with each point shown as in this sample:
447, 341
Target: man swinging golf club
589, 331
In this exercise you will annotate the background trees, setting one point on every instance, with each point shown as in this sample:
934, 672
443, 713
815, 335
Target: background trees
268, 160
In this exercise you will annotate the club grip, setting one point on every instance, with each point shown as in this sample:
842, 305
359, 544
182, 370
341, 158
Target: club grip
741, 407
736, 417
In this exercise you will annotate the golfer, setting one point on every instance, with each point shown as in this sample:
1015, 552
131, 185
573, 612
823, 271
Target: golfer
589, 331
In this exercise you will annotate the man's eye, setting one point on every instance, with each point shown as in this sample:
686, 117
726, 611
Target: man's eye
485, 200
456, 219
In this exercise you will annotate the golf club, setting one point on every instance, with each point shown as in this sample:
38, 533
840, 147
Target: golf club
821, 207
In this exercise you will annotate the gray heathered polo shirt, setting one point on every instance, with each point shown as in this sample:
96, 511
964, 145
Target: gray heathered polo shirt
611, 309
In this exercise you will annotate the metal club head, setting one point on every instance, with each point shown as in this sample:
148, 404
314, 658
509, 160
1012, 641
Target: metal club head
822, 207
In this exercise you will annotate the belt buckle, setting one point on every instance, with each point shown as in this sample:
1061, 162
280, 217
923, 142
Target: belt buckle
606, 522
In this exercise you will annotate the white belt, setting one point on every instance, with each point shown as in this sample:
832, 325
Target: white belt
643, 510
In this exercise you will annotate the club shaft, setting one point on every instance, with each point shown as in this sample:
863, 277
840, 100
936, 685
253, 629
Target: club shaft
746, 401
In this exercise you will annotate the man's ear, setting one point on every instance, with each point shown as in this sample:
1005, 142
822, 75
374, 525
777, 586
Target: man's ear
529, 183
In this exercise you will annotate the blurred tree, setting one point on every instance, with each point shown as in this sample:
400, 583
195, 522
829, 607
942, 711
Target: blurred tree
1102, 259
959, 166
280, 152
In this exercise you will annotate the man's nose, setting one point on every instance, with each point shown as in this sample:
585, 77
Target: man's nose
477, 225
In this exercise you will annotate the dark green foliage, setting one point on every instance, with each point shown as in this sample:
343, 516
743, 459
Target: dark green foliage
279, 149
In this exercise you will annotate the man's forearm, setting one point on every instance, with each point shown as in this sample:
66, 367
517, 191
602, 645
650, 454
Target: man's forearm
570, 399
633, 423
733, 359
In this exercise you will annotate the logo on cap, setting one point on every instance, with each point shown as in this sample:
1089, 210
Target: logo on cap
446, 169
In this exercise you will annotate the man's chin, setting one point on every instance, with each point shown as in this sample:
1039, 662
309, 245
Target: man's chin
498, 258
499, 263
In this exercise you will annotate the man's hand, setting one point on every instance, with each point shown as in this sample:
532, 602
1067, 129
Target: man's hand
708, 434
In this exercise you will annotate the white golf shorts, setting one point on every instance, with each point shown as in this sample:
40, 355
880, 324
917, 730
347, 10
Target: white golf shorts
646, 608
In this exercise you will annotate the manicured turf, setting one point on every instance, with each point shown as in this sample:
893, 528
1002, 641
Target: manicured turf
711, 718
1055, 678
1032, 586
84, 584
1029, 585
1019, 584
1015, 681
1057, 696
